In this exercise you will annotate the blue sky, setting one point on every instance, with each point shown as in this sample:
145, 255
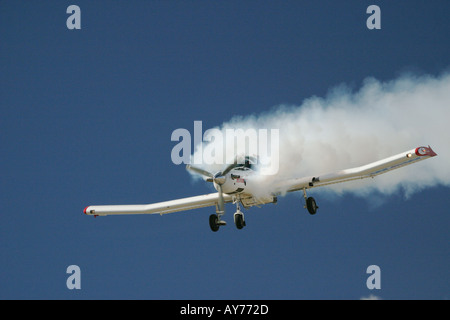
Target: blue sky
87, 116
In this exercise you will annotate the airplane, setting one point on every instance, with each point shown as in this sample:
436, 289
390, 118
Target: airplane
236, 182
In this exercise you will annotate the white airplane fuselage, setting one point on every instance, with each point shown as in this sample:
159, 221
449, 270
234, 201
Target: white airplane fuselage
236, 181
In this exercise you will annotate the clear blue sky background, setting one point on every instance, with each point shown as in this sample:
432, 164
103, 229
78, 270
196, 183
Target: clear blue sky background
86, 118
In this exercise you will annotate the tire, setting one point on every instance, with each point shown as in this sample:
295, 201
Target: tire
239, 221
311, 205
214, 222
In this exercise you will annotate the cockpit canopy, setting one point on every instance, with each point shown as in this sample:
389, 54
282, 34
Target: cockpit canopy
248, 162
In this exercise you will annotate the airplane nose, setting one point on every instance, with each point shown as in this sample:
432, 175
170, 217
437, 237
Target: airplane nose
85, 209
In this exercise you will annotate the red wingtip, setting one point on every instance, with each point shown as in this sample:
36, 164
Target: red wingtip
425, 151
84, 211
432, 153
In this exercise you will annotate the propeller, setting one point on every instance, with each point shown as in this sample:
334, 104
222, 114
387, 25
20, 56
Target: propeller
200, 171
219, 179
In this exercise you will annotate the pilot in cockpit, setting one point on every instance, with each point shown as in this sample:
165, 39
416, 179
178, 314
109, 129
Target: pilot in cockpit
249, 163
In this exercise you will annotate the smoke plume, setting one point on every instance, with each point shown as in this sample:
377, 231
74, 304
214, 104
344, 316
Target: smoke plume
348, 129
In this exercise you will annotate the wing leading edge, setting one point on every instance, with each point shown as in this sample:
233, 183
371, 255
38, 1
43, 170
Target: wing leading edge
161, 208
366, 171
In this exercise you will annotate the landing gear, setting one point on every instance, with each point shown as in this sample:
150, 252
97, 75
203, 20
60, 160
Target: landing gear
239, 217
215, 222
311, 204
239, 220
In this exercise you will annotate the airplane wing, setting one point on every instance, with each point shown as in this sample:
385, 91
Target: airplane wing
161, 208
366, 171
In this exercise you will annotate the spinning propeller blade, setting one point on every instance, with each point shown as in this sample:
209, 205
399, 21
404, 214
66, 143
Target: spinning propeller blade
229, 168
219, 179
199, 171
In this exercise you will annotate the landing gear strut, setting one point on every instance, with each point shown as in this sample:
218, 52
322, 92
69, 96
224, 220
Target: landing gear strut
311, 204
215, 222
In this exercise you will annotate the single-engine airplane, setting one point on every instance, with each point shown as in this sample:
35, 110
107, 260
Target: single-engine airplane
236, 182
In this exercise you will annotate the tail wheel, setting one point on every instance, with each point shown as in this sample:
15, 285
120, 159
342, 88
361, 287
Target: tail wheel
311, 205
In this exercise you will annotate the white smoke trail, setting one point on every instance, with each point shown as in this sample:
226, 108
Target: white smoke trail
348, 129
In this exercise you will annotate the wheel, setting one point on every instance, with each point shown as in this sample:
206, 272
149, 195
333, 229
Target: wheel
214, 222
239, 221
311, 205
